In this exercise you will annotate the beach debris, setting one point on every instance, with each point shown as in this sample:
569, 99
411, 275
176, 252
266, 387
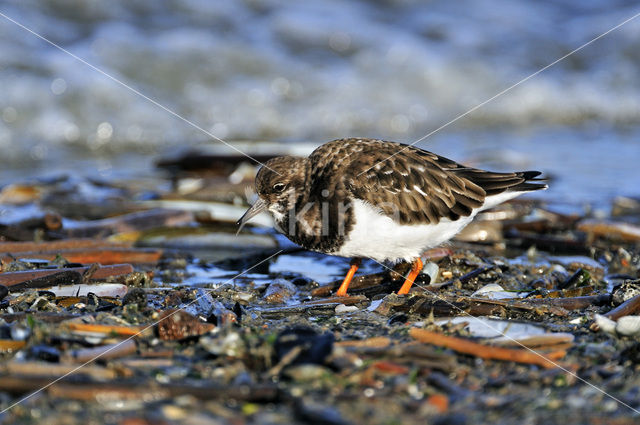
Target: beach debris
177, 325
495, 292
547, 360
625, 325
33, 278
628, 325
580, 278
344, 309
614, 230
307, 345
625, 291
192, 318
104, 352
279, 291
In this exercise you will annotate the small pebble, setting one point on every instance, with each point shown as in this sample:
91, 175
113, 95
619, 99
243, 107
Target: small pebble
307, 372
20, 333
398, 318
137, 296
45, 353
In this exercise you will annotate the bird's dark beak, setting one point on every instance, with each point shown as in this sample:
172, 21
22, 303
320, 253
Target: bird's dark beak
255, 209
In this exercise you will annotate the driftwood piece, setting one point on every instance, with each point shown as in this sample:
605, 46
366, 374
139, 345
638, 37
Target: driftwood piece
38, 369
88, 256
627, 308
547, 360
571, 303
103, 352
452, 306
61, 244
133, 389
14, 279
25, 229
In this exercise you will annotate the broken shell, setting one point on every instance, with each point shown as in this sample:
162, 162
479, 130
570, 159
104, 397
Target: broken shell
342, 309
625, 291
494, 291
605, 324
628, 325
431, 269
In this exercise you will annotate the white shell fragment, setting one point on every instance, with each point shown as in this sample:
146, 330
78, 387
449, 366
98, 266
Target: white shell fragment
101, 290
494, 291
605, 324
628, 325
510, 334
484, 327
431, 269
342, 309
374, 304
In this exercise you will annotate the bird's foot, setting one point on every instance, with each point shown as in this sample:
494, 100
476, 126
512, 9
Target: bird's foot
342, 290
416, 268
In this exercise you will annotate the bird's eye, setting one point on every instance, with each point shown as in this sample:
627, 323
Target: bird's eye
279, 187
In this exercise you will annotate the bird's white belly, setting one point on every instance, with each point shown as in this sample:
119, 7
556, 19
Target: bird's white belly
375, 235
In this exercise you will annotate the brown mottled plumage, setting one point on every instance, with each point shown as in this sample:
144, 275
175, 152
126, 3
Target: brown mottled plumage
318, 202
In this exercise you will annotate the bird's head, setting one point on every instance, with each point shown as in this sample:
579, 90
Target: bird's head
279, 183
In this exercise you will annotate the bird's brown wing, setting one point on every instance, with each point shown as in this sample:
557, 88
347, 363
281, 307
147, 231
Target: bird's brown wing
410, 185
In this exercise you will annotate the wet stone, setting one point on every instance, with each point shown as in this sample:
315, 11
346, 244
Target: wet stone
136, 296
307, 372
61, 278
44, 353
632, 353
279, 291
398, 319
304, 281
229, 343
47, 294
313, 412
5, 331
314, 347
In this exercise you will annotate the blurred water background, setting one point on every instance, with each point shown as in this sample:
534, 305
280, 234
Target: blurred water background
311, 71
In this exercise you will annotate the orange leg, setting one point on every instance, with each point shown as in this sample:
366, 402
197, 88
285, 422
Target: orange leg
416, 268
342, 290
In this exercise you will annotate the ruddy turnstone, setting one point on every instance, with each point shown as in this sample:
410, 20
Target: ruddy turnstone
376, 199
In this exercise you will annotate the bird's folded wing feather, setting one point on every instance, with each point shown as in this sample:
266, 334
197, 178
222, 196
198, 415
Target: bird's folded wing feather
408, 184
